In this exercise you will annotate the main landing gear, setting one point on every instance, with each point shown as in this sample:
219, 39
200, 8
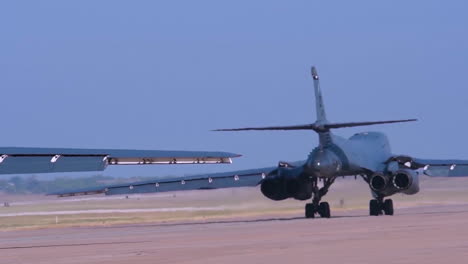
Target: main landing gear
380, 206
317, 207
323, 209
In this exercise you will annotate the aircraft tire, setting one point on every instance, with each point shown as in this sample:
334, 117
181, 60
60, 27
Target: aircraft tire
324, 210
374, 207
310, 210
388, 207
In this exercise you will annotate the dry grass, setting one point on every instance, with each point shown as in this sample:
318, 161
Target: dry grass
205, 205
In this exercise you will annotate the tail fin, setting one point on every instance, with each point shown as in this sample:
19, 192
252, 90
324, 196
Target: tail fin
320, 107
322, 124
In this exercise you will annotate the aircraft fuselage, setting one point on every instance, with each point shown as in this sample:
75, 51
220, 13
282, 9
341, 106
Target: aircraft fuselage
339, 156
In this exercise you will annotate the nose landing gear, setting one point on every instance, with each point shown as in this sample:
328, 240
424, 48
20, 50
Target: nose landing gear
317, 207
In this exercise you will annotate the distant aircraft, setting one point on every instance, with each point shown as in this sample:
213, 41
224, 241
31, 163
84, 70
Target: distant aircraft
365, 154
14, 160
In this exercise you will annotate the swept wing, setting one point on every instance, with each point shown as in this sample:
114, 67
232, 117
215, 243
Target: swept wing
15, 160
436, 167
242, 178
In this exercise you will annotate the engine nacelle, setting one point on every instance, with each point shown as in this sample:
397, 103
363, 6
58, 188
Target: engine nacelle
280, 188
406, 181
401, 181
274, 189
287, 182
299, 189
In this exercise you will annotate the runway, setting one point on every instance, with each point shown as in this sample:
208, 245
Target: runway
424, 234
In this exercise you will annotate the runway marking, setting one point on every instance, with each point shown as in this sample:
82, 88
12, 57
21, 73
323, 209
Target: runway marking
75, 245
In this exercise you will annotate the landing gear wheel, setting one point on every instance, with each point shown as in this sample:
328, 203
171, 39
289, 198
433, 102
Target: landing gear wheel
388, 207
317, 207
310, 210
374, 208
324, 210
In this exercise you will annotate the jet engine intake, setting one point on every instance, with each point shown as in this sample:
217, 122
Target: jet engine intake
406, 181
378, 182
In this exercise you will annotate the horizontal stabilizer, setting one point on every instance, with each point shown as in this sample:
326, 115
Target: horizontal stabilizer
355, 124
298, 127
318, 128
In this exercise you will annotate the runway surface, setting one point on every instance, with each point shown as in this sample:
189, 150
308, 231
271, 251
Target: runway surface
427, 234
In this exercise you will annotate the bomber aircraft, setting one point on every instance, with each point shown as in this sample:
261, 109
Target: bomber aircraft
366, 154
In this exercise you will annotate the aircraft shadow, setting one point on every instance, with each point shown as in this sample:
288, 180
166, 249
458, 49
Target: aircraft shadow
72, 245
239, 221
284, 219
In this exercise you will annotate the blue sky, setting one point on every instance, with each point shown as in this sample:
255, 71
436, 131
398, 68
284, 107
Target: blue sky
161, 74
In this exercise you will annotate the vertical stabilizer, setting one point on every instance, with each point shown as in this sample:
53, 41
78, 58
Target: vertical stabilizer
321, 126
320, 107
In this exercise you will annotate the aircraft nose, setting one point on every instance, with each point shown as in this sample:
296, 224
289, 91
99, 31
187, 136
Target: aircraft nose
323, 164
318, 166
